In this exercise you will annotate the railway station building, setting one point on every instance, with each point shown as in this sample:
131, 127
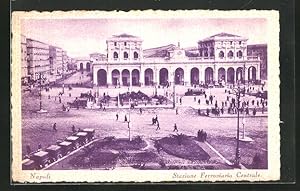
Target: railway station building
218, 58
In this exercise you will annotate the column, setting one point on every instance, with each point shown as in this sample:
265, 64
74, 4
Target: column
246, 74
142, 77
225, 75
95, 77
258, 72
156, 75
109, 77
214, 74
171, 75
187, 76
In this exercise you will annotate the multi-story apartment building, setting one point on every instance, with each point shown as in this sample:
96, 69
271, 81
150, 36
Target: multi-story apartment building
38, 58
222, 57
52, 59
24, 62
59, 60
260, 50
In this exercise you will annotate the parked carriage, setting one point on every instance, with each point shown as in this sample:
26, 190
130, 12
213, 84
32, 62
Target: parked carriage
28, 164
83, 137
90, 133
74, 140
41, 159
66, 146
55, 152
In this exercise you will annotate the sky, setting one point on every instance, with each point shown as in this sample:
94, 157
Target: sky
80, 37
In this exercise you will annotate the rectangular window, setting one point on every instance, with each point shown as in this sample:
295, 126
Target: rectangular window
240, 42
115, 43
125, 43
230, 42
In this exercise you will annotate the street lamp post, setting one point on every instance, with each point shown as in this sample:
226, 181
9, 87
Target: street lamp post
174, 91
63, 85
41, 110
237, 92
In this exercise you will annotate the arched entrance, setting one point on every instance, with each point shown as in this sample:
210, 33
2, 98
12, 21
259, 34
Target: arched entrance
125, 77
230, 75
163, 76
194, 76
135, 77
179, 76
252, 73
115, 75
239, 74
148, 77
208, 75
81, 66
88, 67
101, 76
221, 74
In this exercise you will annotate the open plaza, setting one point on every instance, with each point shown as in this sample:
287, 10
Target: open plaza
220, 144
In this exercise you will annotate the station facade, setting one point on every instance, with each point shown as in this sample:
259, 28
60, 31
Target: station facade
220, 58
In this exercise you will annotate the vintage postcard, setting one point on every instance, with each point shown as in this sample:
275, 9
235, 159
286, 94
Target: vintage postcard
145, 96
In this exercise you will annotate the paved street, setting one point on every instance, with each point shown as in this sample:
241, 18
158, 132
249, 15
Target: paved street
37, 128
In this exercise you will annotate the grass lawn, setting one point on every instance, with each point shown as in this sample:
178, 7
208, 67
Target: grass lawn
186, 148
227, 147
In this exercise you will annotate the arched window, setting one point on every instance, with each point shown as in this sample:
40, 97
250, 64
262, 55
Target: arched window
125, 55
239, 54
221, 54
135, 55
230, 54
116, 55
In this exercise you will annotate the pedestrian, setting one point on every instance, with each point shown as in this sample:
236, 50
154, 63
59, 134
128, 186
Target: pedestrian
158, 127
180, 101
247, 111
207, 111
199, 111
257, 103
28, 149
104, 109
175, 128
125, 118
40, 146
176, 110
73, 129
222, 110
59, 99
54, 127
195, 99
117, 117
254, 111
48, 96
252, 102
141, 111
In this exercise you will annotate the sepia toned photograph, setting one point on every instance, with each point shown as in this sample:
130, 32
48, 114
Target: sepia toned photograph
145, 96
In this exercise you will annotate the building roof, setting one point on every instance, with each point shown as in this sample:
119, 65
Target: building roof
124, 35
257, 45
158, 51
223, 35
